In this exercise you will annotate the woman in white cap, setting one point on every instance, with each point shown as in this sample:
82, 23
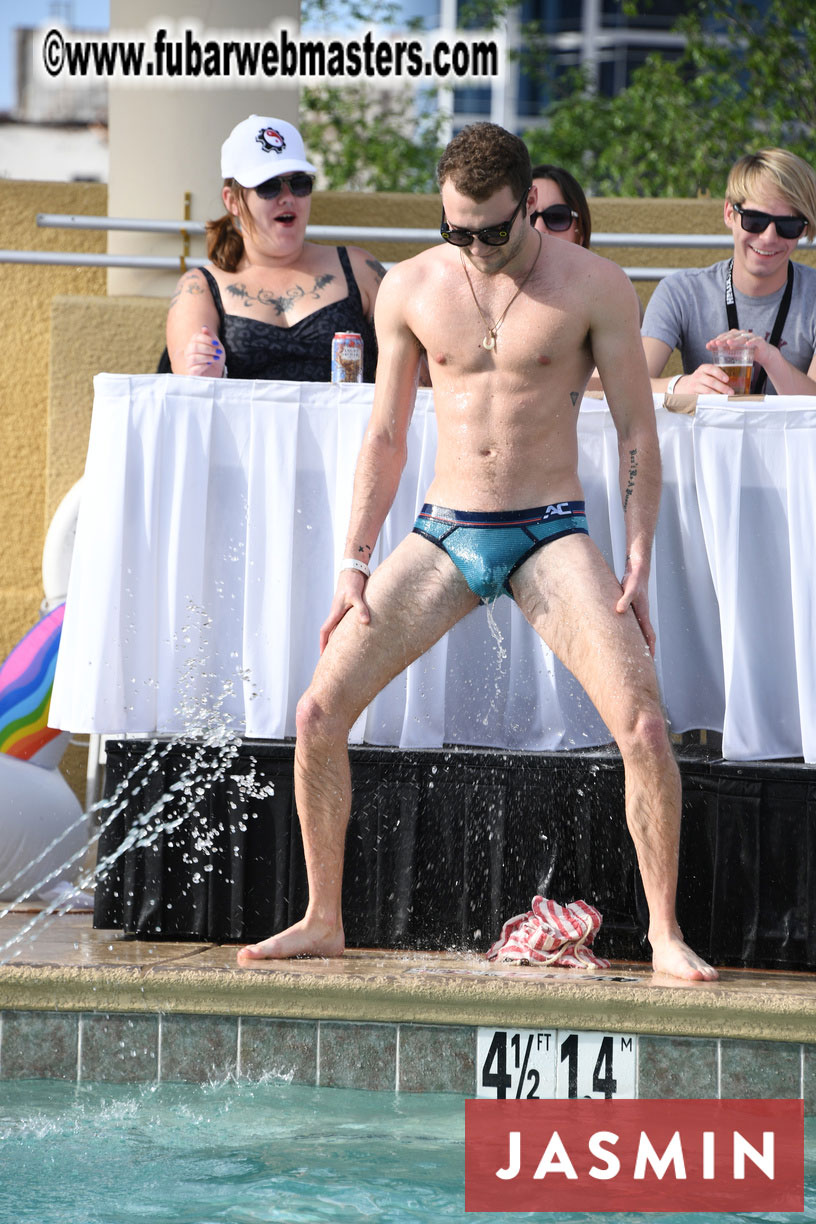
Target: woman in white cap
270, 302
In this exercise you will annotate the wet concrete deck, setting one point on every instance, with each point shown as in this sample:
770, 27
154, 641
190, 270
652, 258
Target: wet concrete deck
64, 964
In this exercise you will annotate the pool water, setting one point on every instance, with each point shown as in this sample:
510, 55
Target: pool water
252, 1153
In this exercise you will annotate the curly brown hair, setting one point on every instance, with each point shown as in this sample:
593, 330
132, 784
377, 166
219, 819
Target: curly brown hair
483, 158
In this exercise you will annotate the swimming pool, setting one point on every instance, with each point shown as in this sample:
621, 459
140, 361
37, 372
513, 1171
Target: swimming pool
250, 1154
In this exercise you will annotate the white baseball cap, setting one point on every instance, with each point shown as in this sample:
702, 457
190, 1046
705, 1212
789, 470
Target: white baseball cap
259, 148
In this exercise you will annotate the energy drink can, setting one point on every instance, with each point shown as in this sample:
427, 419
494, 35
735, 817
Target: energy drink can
347, 357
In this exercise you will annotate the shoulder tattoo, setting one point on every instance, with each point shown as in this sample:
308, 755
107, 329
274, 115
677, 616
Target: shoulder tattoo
189, 283
377, 268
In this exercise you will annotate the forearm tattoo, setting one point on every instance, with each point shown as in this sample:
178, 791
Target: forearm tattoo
633, 471
284, 303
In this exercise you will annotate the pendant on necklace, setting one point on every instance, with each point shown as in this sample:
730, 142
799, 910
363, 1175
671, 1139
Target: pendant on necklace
489, 341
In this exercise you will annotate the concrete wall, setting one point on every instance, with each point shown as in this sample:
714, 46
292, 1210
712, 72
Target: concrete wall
26, 294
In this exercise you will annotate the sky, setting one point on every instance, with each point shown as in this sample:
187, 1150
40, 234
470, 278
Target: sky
84, 14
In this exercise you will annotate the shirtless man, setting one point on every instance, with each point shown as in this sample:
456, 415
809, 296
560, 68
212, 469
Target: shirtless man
513, 322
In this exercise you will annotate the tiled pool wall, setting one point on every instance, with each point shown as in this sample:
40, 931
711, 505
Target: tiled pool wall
128, 1047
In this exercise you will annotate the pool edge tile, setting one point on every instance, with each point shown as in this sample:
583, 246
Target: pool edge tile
280, 1048
118, 1048
358, 1055
668, 1063
39, 1045
437, 1058
760, 1069
198, 1048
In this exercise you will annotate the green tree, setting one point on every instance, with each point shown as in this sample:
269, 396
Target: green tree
364, 138
747, 79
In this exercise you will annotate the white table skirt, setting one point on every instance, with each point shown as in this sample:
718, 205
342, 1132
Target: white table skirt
214, 513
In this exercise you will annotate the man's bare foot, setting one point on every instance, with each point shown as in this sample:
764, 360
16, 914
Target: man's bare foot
672, 956
304, 938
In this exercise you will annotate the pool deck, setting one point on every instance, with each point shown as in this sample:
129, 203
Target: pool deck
66, 965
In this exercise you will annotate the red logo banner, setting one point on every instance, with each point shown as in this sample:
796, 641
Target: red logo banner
733, 1155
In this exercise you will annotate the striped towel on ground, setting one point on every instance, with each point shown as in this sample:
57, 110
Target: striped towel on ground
551, 934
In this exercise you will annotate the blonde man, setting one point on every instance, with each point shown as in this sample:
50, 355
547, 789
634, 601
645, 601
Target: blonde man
758, 296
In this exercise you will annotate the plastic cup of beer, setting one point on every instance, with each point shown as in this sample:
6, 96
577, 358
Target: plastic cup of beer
737, 363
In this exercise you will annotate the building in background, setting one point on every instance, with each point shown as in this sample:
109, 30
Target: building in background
51, 133
594, 35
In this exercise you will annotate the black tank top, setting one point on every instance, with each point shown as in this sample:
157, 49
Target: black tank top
302, 352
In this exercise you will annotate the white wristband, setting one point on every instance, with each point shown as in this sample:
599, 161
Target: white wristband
353, 564
672, 383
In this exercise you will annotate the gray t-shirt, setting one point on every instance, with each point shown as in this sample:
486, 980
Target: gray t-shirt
688, 308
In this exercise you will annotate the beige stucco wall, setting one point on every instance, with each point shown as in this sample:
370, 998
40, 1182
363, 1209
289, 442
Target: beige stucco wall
26, 293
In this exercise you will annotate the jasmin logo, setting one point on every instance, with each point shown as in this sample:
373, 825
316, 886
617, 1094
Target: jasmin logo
672, 1161
732, 1155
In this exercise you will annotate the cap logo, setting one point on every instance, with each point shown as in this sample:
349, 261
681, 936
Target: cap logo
270, 140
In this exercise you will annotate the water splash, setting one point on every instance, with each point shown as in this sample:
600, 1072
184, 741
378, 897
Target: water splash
213, 744
501, 660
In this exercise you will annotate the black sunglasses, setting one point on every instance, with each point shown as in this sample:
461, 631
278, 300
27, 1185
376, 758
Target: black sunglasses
491, 235
558, 217
754, 222
298, 184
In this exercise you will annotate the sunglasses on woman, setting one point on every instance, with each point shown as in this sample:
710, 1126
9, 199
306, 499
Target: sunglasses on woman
298, 184
491, 235
558, 217
754, 222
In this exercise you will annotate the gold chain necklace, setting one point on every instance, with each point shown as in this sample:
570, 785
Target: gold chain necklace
489, 341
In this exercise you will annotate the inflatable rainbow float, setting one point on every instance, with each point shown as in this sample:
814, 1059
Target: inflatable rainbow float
26, 680
41, 821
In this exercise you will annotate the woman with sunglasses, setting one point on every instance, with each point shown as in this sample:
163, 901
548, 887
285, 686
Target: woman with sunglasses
759, 298
562, 210
270, 302
561, 206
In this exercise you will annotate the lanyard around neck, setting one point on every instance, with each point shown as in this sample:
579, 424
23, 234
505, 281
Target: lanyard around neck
779, 322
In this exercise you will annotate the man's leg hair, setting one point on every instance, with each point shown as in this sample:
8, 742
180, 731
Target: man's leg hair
414, 597
568, 594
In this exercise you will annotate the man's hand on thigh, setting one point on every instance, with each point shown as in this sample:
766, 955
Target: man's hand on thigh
348, 595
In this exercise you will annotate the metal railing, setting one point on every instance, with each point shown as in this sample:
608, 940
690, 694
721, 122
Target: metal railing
369, 233
327, 233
